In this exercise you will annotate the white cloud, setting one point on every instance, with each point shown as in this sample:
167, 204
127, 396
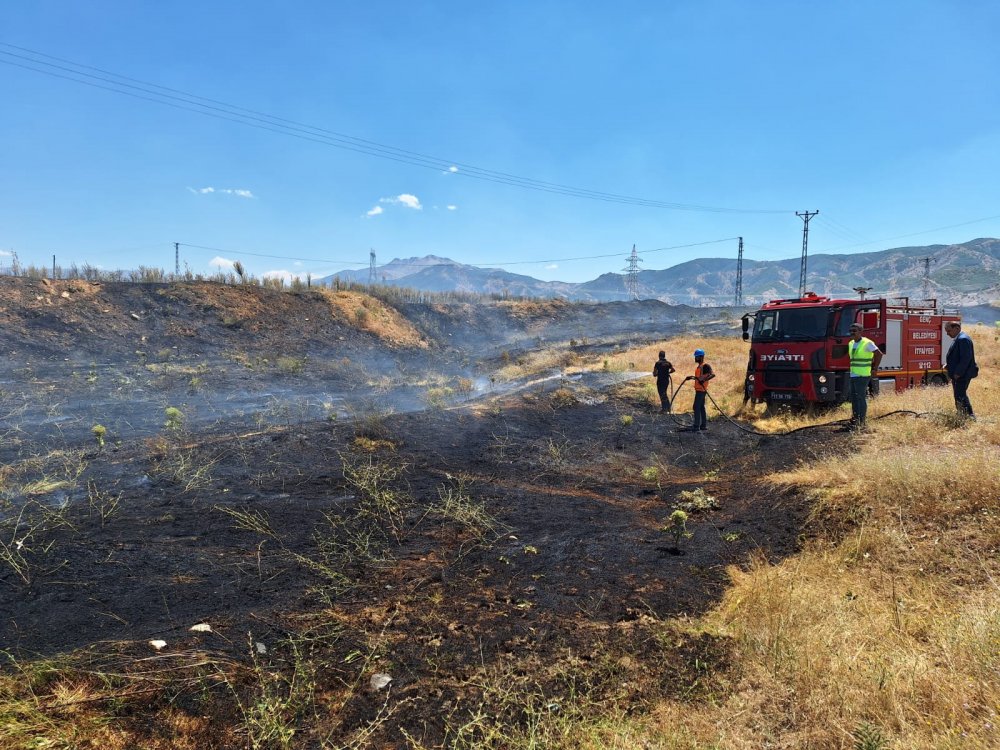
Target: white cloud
452, 169
407, 199
239, 192
219, 262
375, 211
452, 207
297, 263
552, 266
5, 253
287, 276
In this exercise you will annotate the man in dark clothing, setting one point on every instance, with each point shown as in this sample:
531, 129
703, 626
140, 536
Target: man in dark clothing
661, 371
962, 367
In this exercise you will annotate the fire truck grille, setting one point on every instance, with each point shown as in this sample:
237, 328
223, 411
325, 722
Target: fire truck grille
782, 377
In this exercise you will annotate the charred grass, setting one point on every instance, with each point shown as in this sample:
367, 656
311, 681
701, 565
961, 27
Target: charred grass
497, 577
499, 570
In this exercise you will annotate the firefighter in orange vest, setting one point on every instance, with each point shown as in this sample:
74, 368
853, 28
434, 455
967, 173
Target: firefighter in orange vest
702, 374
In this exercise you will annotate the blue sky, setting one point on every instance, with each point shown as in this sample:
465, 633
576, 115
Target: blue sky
884, 116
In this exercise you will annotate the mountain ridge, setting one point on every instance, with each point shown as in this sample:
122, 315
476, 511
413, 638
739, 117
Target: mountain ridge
965, 273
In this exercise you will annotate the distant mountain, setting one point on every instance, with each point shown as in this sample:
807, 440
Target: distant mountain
434, 274
962, 274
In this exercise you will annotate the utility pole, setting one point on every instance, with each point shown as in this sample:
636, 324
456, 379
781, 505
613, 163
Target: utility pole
177, 259
371, 267
632, 276
738, 302
805, 216
53, 266
861, 290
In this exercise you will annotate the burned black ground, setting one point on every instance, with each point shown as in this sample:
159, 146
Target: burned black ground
564, 584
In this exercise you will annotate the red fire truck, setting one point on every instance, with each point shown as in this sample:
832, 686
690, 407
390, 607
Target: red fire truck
799, 355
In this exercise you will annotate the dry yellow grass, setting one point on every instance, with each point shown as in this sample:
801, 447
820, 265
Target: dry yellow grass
726, 355
891, 621
533, 363
372, 315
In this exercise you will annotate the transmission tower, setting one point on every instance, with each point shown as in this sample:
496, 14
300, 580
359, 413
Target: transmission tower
632, 276
738, 302
805, 216
927, 276
371, 267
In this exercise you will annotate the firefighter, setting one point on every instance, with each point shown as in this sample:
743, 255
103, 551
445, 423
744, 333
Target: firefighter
702, 374
962, 367
865, 358
661, 371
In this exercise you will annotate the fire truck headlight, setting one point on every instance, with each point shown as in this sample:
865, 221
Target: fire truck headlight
823, 390
822, 379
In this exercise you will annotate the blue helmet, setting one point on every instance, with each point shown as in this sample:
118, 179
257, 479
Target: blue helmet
699, 352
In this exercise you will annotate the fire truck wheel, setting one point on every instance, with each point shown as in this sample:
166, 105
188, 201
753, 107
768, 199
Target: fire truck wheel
938, 379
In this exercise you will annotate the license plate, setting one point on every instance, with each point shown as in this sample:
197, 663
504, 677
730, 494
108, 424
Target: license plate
782, 396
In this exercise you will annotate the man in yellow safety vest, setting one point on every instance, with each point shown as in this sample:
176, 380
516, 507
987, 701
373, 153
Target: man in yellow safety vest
865, 359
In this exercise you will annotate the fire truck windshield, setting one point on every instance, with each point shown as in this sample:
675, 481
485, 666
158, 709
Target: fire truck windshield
791, 324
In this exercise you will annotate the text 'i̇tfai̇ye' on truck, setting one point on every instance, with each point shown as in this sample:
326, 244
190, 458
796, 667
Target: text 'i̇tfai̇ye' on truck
799, 347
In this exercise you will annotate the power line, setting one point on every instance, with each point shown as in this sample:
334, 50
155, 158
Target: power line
606, 255
328, 261
221, 110
913, 234
840, 229
325, 261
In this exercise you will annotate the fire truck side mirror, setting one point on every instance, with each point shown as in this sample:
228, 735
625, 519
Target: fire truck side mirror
746, 327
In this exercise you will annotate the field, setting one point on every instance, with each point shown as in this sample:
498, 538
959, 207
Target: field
493, 561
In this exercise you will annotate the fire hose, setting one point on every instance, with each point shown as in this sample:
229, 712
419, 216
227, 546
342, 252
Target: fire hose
751, 431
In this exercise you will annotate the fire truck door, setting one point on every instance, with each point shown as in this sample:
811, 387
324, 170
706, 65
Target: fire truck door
893, 358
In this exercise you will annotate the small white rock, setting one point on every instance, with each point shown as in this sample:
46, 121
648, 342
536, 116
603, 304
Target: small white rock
201, 627
379, 681
158, 644
261, 648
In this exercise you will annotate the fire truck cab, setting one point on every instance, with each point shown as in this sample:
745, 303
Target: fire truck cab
799, 347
